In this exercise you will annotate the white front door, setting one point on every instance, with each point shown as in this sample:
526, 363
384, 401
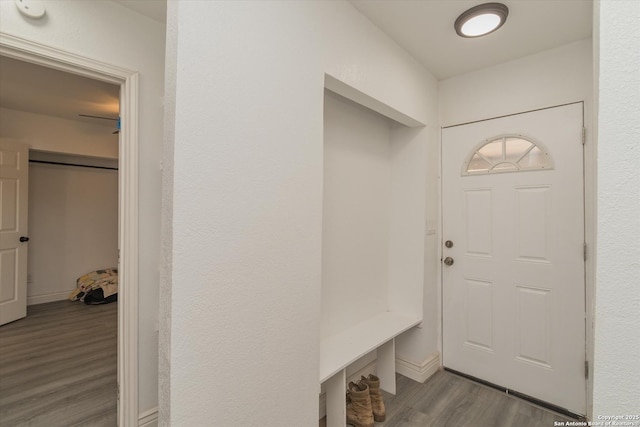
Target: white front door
14, 182
513, 225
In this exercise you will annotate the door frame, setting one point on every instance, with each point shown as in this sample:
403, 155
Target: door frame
590, 210
50, 57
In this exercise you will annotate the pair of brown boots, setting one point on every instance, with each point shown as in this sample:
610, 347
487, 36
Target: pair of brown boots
364, 402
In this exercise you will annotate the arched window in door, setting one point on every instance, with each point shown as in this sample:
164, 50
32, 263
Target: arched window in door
508, 153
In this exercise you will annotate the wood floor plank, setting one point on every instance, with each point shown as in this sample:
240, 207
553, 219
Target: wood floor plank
108, 419
448, 400
409, 417
58, 366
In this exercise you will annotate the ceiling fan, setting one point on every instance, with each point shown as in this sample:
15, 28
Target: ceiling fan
117, 131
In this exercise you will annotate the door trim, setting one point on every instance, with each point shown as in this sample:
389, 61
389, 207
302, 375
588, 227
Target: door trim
36, 53
515, 114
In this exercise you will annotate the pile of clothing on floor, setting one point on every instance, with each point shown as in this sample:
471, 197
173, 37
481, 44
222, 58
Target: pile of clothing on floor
97, 287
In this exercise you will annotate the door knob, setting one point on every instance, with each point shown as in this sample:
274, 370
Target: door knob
448, 244
448, 261
24, 239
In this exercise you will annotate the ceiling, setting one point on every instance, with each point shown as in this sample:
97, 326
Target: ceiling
422, 27
425, 29
154, 9
36, 89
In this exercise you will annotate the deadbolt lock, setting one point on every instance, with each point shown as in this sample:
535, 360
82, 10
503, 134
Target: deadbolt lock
448, 261
448, 244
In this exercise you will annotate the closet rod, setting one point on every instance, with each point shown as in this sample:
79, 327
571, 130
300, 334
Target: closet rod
72, 164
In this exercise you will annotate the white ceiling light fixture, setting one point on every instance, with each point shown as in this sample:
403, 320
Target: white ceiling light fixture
481, 20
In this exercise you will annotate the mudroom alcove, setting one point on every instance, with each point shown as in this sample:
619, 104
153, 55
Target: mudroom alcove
372, 242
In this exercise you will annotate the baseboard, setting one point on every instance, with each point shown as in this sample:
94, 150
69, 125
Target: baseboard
148, 418
419, 372
54, 296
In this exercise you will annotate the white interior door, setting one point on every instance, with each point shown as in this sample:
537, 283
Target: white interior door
14, 182
514, 297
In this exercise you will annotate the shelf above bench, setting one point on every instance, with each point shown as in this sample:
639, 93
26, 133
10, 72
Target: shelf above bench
340, 350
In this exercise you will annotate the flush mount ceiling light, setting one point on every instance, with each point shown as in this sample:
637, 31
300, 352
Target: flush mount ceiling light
481, 20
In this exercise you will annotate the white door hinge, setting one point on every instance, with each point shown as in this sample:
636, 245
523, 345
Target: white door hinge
584, 135
586, 369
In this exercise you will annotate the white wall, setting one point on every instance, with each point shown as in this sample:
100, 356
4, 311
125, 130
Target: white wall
617, 360
243, 219
73, 227
356, 217
58, 135
111, 33
553, 77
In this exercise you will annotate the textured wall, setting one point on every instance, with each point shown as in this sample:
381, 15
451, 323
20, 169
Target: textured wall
356, 214
553, 77
73, 227
58, 135
244, 215
617, 341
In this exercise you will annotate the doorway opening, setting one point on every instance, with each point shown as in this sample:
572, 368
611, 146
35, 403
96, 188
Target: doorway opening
127, 315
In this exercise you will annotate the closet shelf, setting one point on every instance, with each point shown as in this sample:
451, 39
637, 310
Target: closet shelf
340, 350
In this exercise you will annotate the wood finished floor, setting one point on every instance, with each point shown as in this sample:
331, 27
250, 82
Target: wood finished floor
58, 366
447, 400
